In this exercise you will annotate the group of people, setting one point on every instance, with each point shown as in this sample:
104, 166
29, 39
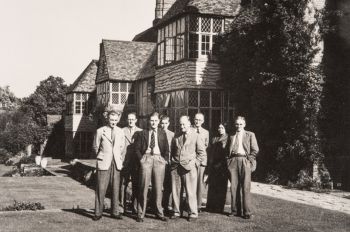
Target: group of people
173, 165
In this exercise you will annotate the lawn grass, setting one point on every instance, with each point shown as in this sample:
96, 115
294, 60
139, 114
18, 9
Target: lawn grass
270, 215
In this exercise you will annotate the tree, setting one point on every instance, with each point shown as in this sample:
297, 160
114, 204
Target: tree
7, 99
267, 61
48, 98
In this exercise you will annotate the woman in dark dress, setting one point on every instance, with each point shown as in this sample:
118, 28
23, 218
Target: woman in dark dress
218, 179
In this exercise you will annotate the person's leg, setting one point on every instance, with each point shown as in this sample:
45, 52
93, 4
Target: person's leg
191, 192
246, 183
115, 184
233, 177
166, 202
101, 188
200, 186
135, 187
145, 180
158, 174
175, 188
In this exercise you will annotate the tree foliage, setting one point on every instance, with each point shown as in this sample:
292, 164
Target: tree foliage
48, 98
267, 61
7, 98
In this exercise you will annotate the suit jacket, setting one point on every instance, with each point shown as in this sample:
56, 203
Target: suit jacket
188, 154
250, 146
141, 144
108, 150
130, 156
204, 135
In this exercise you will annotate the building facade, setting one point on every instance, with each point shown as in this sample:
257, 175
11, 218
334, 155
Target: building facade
171, 68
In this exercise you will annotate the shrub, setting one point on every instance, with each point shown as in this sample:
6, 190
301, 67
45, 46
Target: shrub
4, 155
19, 206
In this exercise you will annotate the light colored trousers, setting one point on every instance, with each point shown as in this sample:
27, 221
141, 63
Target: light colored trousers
152, 167
105, 177
187, 179
240, 177
200, 185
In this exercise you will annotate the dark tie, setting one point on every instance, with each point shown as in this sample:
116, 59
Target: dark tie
198, 130
184, 138
153, 142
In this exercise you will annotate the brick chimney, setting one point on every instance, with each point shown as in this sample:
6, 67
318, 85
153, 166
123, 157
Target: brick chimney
162, 6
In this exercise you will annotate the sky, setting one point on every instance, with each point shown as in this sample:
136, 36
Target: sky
40, 38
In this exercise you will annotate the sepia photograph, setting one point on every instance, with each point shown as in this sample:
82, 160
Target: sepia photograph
175, 115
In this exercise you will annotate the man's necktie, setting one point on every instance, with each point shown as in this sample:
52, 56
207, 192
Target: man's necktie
184, 138
236, 143
198, 130
153, 142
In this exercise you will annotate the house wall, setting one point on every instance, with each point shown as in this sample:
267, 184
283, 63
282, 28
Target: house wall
188, 74
79, 123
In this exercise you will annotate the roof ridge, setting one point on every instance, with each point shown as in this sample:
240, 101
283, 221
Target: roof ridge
125, 41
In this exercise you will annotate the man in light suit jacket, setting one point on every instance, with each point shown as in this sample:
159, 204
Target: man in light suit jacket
152, 150
204, 135
241, 161
109, 145
131, 163
188, 151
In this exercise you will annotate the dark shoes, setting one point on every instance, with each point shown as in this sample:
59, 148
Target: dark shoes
118, 216
96, 218
248, 216
139, 219
162, 218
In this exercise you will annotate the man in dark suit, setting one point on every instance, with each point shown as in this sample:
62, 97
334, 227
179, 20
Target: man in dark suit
241, 161
188, 150
131, 163
152, 149
109, 146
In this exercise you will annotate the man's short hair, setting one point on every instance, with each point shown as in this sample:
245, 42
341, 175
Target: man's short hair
185, 116
165, 117
112, 113
132, 113
240, 118
199, 114
154, 114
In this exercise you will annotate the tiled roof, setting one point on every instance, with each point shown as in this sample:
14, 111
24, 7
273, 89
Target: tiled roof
86, 81
129, 60
216, 7
149, 35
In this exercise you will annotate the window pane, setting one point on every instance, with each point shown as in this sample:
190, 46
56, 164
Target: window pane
123, 87
217, 25
204, 98
178, 23
194, 24
170, 50
205, 25
179, 99
78, 107
115, 98
193, 46
205, 48
215, 46
115, 87
180, 47
183, 25
162, 53
193, 98
216, 99
123, 98
78, 96
159, 36
83, 108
